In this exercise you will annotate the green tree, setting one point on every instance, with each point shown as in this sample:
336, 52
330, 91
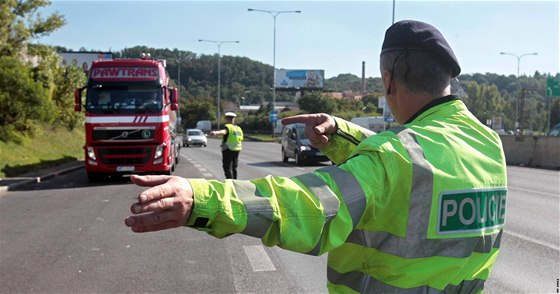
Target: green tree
20, 23
484, 101
22, 99
67, 79
316, 102
198, 109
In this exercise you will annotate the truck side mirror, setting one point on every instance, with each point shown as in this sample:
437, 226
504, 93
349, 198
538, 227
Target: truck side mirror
174, 94
78, 100
174, 99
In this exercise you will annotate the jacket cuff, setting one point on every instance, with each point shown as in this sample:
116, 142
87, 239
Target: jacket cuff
344, 140
200, 215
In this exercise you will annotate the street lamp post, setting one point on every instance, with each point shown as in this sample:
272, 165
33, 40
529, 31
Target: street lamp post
219, 43
517, 100
274, 14
178, 79
518, 58
393, 12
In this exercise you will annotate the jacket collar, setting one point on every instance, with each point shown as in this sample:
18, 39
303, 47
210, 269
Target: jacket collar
433, 103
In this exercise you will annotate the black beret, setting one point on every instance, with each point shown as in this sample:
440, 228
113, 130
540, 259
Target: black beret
417, 35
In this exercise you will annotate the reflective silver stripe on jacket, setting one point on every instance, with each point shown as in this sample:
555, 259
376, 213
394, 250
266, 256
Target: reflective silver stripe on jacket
419, 248
322, 192
362, 283
350, 189
259, 211
415, 244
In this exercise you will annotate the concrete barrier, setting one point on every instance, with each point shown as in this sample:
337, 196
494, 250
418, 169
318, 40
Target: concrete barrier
543, 152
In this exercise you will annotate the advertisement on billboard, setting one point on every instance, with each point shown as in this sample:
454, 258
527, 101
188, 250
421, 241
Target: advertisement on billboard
83, 59
300, 78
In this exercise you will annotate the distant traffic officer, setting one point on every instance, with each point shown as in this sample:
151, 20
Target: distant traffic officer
231, 145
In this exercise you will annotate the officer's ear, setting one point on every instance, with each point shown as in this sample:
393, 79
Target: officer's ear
388, 81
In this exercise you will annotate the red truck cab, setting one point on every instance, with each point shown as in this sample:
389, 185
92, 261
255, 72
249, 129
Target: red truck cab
130, 118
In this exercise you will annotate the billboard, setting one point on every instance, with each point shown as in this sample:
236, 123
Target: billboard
300, 78
83, 59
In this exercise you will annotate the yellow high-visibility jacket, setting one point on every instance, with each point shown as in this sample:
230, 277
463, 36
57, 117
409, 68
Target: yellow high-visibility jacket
419, 208
234, 137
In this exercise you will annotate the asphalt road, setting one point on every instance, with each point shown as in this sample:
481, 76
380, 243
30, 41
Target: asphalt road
67, 236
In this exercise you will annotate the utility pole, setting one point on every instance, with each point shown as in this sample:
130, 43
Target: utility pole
219, 43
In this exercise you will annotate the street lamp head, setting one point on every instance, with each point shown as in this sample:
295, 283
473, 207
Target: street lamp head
250, 9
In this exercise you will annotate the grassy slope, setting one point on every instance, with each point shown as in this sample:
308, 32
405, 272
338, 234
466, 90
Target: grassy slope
50, 147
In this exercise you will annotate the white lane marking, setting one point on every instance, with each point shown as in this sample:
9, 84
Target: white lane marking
200, 167
258, 258
535, 192
539, 242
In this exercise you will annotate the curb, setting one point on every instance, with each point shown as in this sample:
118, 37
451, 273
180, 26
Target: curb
33, 180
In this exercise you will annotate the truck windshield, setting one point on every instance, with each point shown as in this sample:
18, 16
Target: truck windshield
131, 99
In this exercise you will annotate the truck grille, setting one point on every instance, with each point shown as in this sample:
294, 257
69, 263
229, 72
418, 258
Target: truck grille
121, 134
125, 156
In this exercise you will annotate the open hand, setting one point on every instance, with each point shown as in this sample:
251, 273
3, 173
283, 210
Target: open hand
167, 204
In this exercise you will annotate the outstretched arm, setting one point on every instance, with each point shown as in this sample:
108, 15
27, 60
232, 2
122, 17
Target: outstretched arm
218, 133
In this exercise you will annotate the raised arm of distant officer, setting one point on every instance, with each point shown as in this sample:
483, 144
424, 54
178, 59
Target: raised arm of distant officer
218, 132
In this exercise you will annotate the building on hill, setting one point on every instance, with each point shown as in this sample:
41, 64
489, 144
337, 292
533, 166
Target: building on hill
349, 94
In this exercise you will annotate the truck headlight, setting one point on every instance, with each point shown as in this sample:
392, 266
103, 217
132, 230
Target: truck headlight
304, 148
159, 151
91, 153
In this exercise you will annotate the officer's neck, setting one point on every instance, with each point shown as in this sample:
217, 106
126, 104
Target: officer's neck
405, 103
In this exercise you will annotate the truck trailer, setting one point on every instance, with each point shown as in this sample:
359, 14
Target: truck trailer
130, 118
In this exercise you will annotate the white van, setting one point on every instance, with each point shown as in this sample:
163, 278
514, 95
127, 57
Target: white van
373, 123
204, 125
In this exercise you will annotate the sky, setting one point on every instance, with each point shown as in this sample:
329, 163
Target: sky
335, 36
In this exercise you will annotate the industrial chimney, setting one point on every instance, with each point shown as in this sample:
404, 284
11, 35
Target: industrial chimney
363, 77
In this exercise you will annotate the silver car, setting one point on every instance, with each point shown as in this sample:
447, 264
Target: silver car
194, 137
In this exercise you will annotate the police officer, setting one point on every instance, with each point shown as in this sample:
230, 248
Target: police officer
419, 208
231, 145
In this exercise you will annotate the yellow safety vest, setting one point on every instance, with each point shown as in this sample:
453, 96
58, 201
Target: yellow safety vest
416, 209
233, 139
